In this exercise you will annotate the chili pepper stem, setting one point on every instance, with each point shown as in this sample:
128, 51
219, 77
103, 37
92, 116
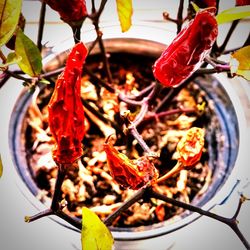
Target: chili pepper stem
59, 181
175, 170
41, 25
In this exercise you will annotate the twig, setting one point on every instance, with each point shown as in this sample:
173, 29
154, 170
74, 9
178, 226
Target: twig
96, 79
41, 25
211, 71
59, 180
17, 76
180, 16
95, 20
229, 34
76, 33
101, 116
169, 112
164, 101
175, 170
231, 222
136, 197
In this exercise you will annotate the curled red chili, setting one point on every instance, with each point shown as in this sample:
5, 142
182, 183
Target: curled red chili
66, 114
128, 173
69, 10
187, 51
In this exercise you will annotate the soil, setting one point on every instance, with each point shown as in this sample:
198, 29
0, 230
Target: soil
88, 181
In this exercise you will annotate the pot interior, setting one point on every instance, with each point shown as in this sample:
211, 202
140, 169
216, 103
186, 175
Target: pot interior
220, 121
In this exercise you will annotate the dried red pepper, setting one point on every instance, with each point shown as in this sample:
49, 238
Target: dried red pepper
128, 173
205, 3
187, 51
66, 114
242, 2
190, 146
69, 10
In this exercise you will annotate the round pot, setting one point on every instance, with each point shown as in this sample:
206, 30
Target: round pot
224, 154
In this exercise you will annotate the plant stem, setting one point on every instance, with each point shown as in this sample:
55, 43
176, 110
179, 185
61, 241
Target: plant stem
139, 138
59, 180
101, 116
175, 170
231, 222
76, 33
164, 101
17, 76
39, 215
95, 20
229, 34
170, 112
41, 25
180, 16
96, 80
136, 197
2, 56
212, 71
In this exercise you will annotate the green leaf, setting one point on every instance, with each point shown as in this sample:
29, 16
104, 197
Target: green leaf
195, 6
44, 81
240, 62
125, 11
1, 167
232, 14
12, 58
9, 16
95, 235
31, 62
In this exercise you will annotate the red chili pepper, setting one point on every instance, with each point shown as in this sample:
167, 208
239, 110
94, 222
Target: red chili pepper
242, 2
205, 3
66, 114
190, 146
69, 10
132, 174
187, 51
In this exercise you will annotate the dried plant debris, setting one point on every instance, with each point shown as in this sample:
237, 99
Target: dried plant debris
88, 181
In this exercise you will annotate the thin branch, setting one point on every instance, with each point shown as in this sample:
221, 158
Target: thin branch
101, 116
136, 197
164, 101
180, 16
169, 112
39, 215
138, 137
17, 76
231, 222
59, 181
229, 34
41, 25
98, 80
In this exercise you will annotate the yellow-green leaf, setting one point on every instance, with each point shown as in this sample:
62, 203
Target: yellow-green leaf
1, 166
195, 6
31, 62
125, 11
9, 15
12, 58
95, 235
240, 62
232, 14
